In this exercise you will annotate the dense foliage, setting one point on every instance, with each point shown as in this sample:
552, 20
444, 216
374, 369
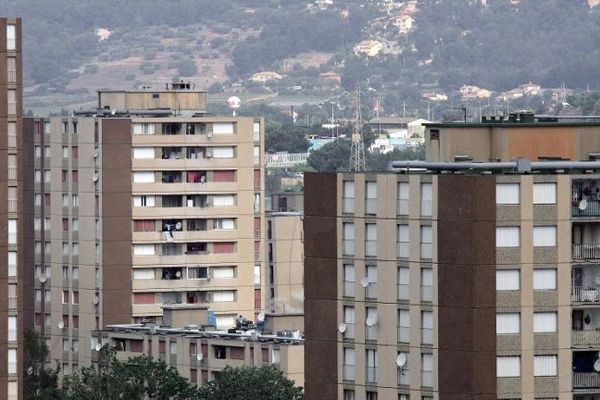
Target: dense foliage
39, 382
288, 138
497, 46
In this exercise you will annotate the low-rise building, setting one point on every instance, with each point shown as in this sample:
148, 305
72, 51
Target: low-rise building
265, 76
369, 48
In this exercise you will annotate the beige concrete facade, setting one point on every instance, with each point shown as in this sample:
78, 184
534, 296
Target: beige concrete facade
285, 287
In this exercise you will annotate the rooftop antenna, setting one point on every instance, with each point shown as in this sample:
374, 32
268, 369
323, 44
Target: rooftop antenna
357, 151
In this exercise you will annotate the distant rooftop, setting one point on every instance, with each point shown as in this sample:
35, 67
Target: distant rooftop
522, 119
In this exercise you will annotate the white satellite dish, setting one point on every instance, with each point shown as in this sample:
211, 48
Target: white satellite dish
199, 356
96, 300
401, 360
342, 328
178, 274
96, 177
261, 316
98, 347
234, 103
597, 366
583, 204
61, 325
364, 282
95, 153
371, 320
43, 279
178, 226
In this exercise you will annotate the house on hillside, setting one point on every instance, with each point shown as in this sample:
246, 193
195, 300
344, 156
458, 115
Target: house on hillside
470, 92
331, 79
525, 90
265, 76
369, 48
404, 23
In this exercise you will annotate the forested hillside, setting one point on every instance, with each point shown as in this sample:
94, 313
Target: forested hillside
452, 42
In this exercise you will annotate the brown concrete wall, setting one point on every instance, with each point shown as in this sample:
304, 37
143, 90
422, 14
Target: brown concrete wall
466, 288
320, 277
531, 143
116, 221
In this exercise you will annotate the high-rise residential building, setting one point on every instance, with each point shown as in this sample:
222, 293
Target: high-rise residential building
446, 280
146, 201
15, 214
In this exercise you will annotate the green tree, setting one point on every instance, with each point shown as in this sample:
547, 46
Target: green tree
334, 156
285, 138
138, 378
251, 383
380, 162
39, 383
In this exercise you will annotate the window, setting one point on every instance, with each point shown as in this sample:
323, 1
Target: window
349, 363
11, 95
223, 200
144, 226
348, 280
508, 366
371, 366
223, 272
371, 395
219, 248
198, 273
371, 275
75, 200
544, 279
144, 298
172, 347
348, 240
143, 177
12, 134
11, 66
143, 152
426, 242
224, 223
348, 197
12, 328
223, 296
223, 152
544, 365
544, 322
427, 370
544, 236
75, 224
12, 263
256, 131
256, 154
402, 206
403, 245
508, 236
370, 240
143, 201
507, 193
426, 284
143, 250
223, 128
508, 279
426, 199
65, 152
544, 193
144, 129
13, 391
11, 37
12, 361
427, 327
371, 199
404, 326
508, 323
349, 320
371, 323
349, 394
257, 274
403, 283
75, 249
75, 297
143, 274
12, 231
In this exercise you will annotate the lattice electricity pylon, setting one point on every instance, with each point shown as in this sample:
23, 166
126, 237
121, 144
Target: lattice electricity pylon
357, 151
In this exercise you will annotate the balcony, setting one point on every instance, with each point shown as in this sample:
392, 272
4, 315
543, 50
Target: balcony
586, 338
586, 251
585, 199
586, 380
585, 294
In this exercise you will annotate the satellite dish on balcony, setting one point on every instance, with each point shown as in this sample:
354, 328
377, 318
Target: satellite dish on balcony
342, 328
371, 320
583, 204
597, 366
43, 279
261, 317
364, 282
401, 360
199, 356
178, 226
98, 347
61, 325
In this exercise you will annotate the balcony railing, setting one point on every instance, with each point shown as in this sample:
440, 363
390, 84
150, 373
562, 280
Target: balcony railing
586, 338
591, 210
586, 380
585, 294
586, 251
